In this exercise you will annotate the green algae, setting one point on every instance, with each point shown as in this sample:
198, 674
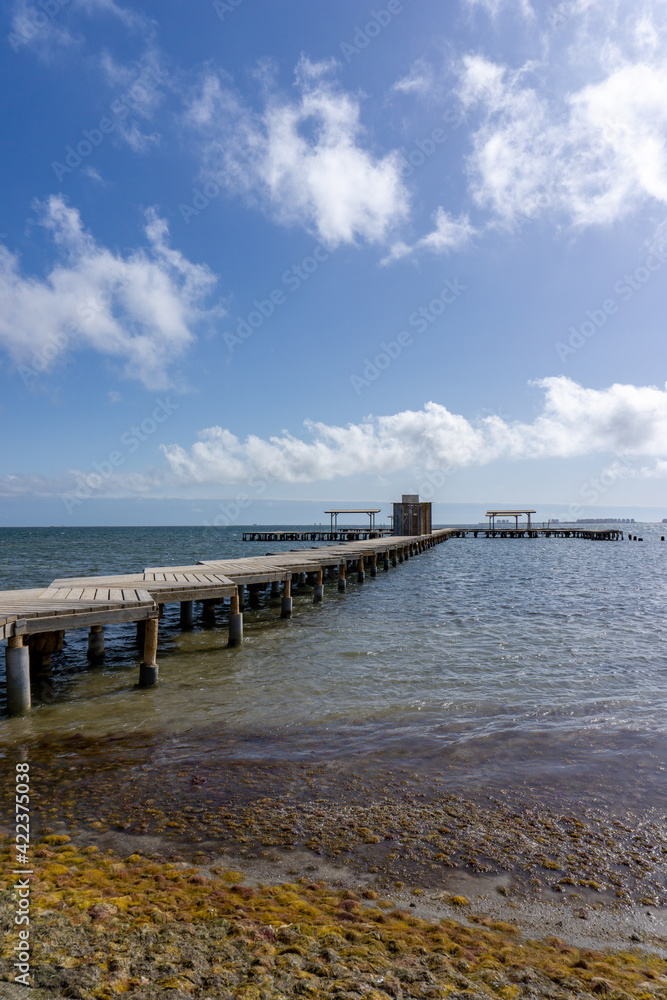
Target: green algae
104, 926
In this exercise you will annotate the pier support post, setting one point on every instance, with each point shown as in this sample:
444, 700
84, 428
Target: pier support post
241, 593
253, 595
394, 558
374, 564
141, 634
148, 670
275, 588
286, 603
361, 576
236, 618
208, 613
385, 562
96, 644
17, 659
187, 614
401, 557
342, 582
318, 594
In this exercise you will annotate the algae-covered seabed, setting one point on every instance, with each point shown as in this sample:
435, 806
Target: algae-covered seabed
165, 874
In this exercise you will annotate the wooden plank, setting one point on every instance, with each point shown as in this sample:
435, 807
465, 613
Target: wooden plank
56, 623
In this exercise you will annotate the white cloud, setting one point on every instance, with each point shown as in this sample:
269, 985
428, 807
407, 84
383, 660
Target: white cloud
303, 159
139, 308
493, 7
47, 28
419, 80
449, 234
591, 155
574, 421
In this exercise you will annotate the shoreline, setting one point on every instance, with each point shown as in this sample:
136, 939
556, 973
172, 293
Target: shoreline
124, 818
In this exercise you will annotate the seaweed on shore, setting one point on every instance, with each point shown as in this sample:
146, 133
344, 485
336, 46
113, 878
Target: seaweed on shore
104, 926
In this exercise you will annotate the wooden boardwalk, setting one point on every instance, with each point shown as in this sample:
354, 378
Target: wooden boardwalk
33, 621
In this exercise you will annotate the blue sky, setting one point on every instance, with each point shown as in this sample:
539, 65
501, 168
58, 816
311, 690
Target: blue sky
332, 251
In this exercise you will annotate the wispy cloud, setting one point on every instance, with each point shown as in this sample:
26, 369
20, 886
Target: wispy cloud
307, 160
574, 421
449, 234
139, 307
420, 80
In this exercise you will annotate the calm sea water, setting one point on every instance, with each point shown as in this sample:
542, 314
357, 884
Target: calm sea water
489, 657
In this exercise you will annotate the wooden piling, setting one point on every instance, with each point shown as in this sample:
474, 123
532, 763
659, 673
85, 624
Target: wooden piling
235, 618
17, 665
187, 615
286, 603
96, 643
342, 582
318, 593
148, 670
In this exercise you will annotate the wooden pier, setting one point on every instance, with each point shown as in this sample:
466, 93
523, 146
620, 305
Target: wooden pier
316, 535
33, 621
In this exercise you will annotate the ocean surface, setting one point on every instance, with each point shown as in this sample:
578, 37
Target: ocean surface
493, 660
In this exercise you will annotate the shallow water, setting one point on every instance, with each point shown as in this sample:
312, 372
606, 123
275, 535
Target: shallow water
540, 661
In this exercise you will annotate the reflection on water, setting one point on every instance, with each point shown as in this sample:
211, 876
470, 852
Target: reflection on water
487, 658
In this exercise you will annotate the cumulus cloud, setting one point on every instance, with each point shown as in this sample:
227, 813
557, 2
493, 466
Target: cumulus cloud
139, 308
574, 421
306, 160
449, 234
592, 155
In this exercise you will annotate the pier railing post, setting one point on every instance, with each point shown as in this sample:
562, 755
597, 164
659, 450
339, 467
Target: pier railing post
96, 643
286, 603
235, 618
17, 659
148, 670
318, 593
